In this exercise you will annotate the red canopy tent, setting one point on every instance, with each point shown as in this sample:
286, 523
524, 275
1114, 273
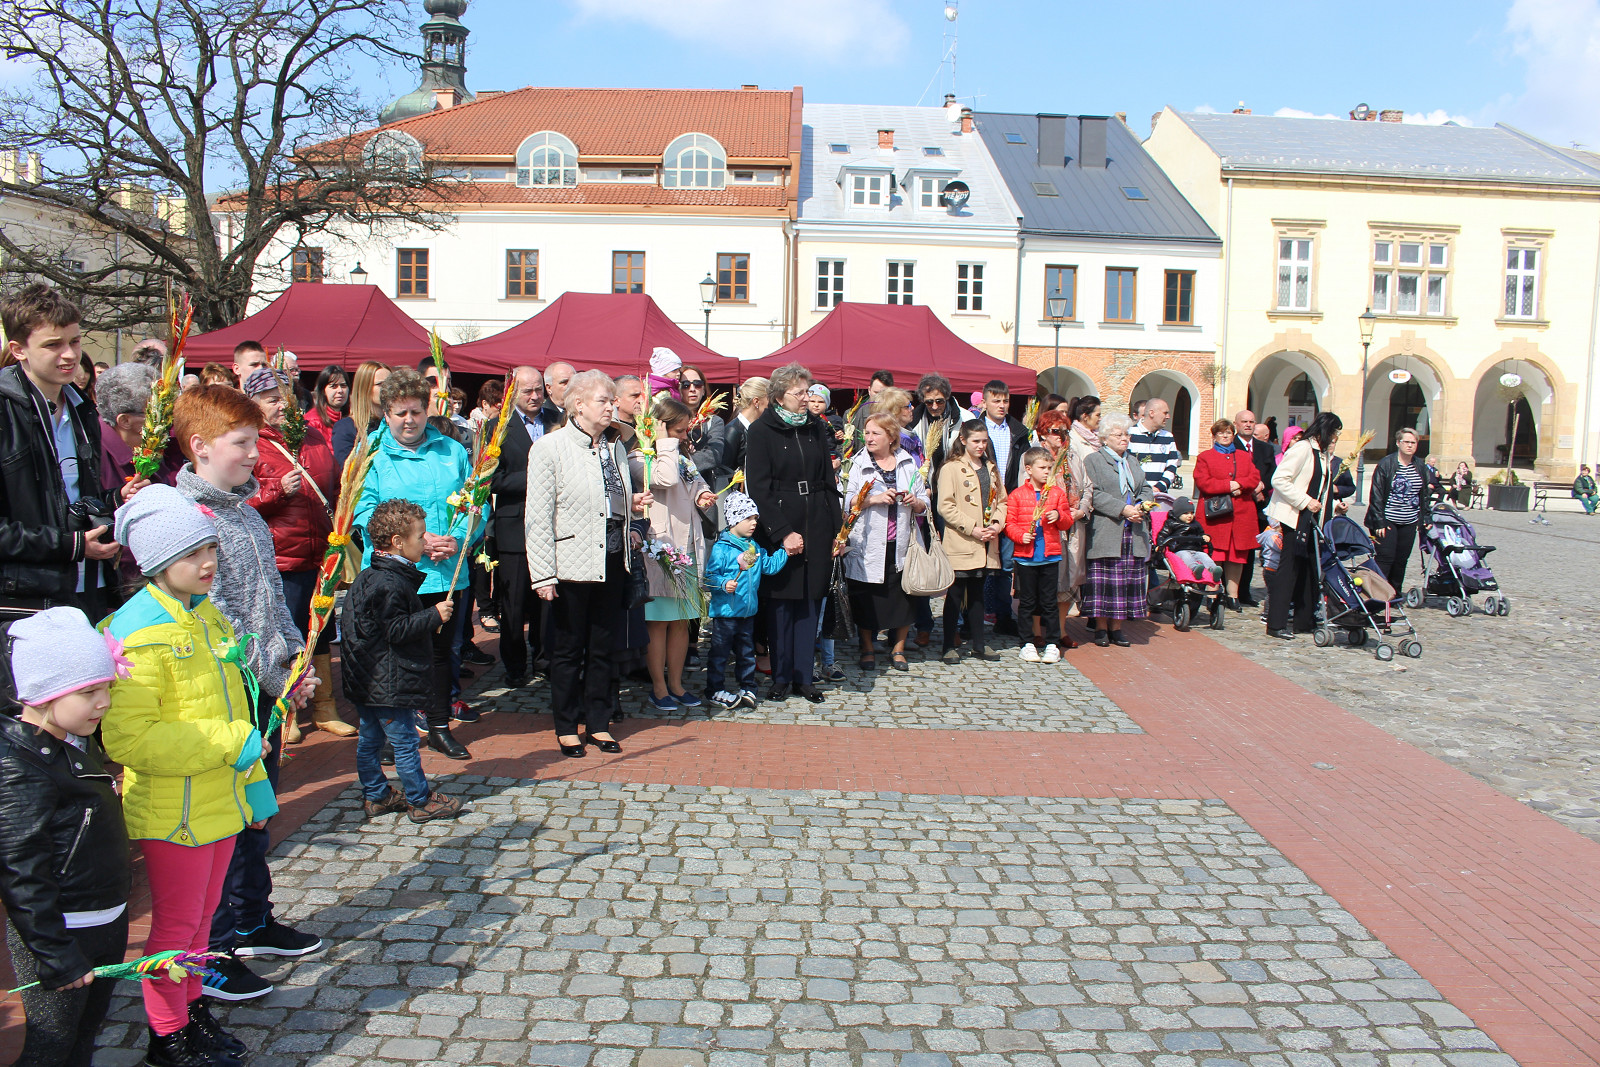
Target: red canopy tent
324, 324
612, 332
854, 340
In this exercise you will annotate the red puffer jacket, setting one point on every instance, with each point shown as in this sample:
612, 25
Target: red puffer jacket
299, 522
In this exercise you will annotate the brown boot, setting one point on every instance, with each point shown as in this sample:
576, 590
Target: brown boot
291, 729
324, 713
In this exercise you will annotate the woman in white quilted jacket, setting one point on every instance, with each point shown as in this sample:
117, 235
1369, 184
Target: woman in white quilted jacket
580, 495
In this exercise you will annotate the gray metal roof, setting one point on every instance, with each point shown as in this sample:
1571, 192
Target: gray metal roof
961, 157
1410, 150
1089, 201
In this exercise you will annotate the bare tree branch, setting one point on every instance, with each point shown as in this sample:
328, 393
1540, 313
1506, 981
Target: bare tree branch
148, 114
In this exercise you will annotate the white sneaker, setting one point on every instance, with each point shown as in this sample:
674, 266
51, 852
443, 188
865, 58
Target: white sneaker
1029, 653
725, 700
1052, 654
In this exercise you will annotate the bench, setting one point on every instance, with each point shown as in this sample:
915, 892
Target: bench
1542, 491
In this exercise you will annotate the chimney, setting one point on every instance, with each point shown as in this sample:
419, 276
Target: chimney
1052, 140
886, 140
1241, 110
8, 165
1122, 117
749, 88
966, 120
1391, 115
1153, 120
35, 171
952, 110
446, 98
1092, 141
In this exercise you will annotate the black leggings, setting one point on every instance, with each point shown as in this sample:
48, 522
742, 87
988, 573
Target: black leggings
965, 594
1293, 583
63, 1023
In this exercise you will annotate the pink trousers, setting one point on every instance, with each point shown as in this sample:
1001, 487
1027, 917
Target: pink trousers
185, 887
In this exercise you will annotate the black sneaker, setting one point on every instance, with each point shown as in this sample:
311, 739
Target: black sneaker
230, 979
276, 939
477, 656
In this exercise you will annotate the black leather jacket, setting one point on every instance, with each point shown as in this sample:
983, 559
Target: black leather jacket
41, 544
63, 844
387, 650
1383, 477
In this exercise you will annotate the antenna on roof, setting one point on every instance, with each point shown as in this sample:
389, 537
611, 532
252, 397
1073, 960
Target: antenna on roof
952, 10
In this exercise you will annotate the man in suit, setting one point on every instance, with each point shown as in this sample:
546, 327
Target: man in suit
529, 421
1266, 462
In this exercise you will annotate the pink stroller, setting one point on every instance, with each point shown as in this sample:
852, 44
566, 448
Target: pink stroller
1181, 593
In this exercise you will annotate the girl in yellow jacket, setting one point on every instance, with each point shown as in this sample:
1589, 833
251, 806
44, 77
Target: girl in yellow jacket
180, 724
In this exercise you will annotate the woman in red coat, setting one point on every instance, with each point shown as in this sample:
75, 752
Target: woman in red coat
1222, 471
296, 498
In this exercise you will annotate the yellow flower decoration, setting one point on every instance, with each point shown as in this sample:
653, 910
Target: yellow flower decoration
338, 540
492, 452
322, 603
487, 563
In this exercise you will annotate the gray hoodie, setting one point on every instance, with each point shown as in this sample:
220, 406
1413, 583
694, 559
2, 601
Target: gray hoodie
248, 590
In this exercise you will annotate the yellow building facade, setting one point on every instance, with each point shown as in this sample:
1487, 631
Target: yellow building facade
1476, 249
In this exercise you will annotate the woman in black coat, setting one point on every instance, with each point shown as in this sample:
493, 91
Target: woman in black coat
789, 474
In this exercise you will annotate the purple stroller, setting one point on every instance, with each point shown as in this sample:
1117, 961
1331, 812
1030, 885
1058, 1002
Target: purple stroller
1453, 567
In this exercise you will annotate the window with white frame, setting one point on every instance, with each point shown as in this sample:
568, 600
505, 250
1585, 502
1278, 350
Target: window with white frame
1294, 273
1522, 282
901, 281
695, 161
867, 189
929, 190
830, 283
547, 158
969, 287
1410, 274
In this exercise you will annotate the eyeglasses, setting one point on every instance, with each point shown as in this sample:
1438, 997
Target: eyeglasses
692, 383
797, 393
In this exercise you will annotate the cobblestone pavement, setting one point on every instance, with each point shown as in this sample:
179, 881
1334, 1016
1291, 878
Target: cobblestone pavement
1006, 695
648, 926
1509, 700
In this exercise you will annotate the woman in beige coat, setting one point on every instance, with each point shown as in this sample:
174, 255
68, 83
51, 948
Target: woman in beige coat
972, 502
680, 496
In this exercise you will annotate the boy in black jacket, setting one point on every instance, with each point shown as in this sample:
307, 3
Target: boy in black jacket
1187, 539
387, 641
63, 845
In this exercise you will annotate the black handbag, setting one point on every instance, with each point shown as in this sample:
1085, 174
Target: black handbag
1219, 508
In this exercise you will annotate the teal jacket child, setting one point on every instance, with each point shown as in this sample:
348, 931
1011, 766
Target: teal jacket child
724, 564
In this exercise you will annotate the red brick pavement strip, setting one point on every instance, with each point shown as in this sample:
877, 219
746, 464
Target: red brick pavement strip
1494, 903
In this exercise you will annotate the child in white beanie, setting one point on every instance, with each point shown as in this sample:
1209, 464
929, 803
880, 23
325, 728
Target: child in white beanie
733, 574
63, 849
180, 724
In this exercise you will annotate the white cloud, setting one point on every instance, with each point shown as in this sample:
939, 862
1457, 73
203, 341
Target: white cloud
1559, 40
1296, 113
835, 30
1437, 117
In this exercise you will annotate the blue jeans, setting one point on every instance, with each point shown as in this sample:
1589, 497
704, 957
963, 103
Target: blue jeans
397, 727
246, 903
735, 637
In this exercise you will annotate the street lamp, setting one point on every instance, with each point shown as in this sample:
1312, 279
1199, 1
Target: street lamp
1368, 322
708, 299
1056, 308
358, 276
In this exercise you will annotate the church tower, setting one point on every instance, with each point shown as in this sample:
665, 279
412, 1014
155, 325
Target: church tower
444, 64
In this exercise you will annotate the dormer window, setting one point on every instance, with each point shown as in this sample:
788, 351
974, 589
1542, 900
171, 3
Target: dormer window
393, 150
695, 161
925, 182
928, 190
547, 159
867, 189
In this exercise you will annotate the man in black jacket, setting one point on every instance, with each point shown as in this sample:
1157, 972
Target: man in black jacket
55, 547
531, 418
1266, 463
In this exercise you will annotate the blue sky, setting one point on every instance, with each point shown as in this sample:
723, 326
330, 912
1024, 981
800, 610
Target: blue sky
1532, 63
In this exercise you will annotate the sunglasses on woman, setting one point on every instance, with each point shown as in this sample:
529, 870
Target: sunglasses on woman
691, 383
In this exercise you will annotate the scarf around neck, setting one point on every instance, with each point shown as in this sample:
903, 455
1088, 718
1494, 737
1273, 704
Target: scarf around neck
791, 418
1226, 450
1124, 475
1086, 435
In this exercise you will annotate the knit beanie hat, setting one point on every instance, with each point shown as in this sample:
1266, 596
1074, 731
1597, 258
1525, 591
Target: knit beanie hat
664, 361
264, 380
1181, 506
57, 652
737, 507
819, 391
160, 526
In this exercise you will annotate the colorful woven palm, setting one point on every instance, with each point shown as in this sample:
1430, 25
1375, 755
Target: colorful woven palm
172, 966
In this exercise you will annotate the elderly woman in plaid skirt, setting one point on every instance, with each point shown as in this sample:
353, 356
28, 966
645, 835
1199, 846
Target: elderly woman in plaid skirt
1117, 581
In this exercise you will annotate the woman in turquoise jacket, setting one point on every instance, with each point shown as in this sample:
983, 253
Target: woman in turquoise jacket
413, 461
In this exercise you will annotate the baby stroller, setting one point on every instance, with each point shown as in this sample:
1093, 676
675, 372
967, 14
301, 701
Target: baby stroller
1453, 567
1355, 595
1181, 593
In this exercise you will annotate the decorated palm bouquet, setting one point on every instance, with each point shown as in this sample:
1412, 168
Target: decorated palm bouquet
678, 567
170, 966
852, 513
294, 420
164, 391
470, 499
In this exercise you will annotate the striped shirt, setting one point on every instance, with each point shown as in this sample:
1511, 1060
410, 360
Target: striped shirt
1157, 453
1405, 495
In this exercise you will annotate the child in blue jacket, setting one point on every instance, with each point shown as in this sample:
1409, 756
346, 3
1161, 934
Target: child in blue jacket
733, 574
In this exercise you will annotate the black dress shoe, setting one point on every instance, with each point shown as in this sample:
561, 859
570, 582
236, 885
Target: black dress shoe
1282, 635
779, 692
1249, 602
574, 751
1235, 603
1102, 638
1119, 640
516, 681
386, 754
605, 746
478, 656
810, 693
442, 741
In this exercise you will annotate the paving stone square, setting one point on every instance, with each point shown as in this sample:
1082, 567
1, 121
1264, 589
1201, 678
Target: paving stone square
576, 923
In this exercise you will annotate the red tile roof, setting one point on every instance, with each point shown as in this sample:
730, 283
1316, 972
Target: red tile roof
610, 123
489, 194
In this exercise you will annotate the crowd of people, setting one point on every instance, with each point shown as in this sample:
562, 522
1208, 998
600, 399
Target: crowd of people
154, 616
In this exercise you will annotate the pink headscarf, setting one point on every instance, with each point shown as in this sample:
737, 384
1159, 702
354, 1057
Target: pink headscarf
1288, 439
